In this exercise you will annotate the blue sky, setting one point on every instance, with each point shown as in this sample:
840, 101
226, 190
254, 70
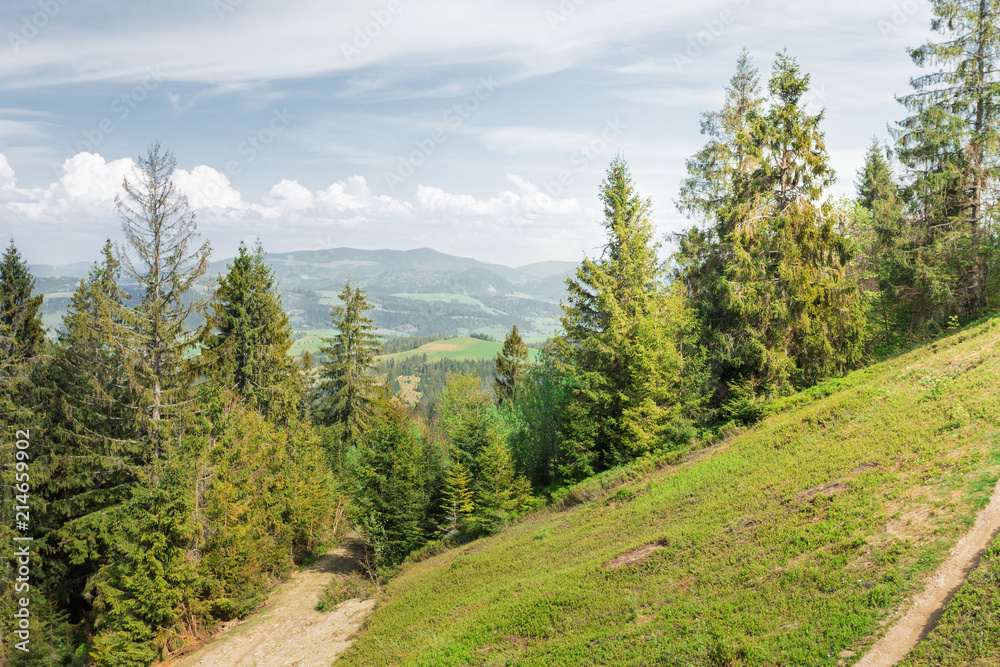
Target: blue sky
476, 128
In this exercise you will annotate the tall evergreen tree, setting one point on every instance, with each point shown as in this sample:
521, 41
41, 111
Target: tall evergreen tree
511, 365
769, 276
247, 351
951, 145
160, 257
882, 261
618, 342
21, 330
349, 387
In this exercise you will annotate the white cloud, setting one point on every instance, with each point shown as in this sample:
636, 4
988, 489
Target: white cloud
207, 188
518, 224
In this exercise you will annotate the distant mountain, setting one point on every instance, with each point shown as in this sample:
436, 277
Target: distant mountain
416, 292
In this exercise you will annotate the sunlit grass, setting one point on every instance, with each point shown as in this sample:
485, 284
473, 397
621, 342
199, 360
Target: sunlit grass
788, 544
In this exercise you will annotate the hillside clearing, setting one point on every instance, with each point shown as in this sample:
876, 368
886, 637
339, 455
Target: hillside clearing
794, 542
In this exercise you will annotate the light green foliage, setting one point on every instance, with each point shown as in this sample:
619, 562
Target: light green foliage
622, 339
511, 363
769, 274
348, 392
456, 500
773, 548
247, 351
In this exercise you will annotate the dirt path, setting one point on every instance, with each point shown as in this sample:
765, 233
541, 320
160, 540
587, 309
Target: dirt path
289, 630
927, 607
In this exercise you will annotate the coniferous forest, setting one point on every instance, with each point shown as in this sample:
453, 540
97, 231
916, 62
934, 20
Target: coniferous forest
173, 462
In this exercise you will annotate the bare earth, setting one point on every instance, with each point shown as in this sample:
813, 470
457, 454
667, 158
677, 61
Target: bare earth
289, 630
923, 615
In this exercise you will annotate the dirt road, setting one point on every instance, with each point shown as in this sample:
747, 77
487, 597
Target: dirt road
923, 615
289, 630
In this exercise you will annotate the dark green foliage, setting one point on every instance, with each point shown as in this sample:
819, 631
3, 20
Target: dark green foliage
348, 392
510, 366
391, 491
21, 331
535, 442
768, 274
247, 351
950, 144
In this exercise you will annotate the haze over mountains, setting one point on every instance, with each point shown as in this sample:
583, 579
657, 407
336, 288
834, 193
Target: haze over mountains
416, 292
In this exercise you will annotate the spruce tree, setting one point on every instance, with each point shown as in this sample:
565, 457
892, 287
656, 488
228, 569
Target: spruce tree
620, 348
883, 246
349, 388
777, 305
951, 146
21, 330
457, 500
161, 257
511, 365
247, 351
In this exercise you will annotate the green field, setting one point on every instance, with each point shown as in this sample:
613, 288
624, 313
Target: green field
457, 349
790, 543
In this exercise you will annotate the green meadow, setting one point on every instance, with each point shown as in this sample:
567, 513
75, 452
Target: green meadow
789, 543
459, 349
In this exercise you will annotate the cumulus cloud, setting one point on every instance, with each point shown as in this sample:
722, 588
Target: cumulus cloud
208, 188
521, 220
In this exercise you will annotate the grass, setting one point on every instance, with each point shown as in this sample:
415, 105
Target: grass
345, 587
457, 349
790, 543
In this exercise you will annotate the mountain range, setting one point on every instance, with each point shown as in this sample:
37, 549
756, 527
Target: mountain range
414, 292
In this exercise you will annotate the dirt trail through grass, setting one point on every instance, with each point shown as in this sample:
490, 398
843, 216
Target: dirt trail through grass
927, 607
289, 630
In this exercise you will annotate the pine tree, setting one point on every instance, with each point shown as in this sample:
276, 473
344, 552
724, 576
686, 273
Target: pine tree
776, 302
247, 351
495, 500
160, 258
457, 502
951, 144
511, 365
390, 486
716, 170
349, 387
882, 261
618, 343
21, 330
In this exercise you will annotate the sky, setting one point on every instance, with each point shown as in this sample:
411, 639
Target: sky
481, 129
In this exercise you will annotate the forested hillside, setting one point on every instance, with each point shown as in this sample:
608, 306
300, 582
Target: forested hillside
166, 459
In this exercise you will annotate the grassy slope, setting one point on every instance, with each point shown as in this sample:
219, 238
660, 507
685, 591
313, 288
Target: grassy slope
788, 544
968, 632
456, 348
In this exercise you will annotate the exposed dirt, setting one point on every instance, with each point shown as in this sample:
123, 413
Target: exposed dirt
927, 607
634, 556
289, 630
